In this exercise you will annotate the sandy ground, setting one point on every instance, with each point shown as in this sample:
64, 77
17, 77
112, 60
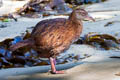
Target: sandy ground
97, 67
100, 70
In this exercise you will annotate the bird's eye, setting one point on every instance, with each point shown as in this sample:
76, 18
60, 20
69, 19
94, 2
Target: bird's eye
83, 14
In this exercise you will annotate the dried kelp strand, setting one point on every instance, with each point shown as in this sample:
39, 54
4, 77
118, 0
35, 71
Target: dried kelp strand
27, 35
109, 37
109, 23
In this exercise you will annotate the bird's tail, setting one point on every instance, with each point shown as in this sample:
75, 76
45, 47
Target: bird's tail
21, 44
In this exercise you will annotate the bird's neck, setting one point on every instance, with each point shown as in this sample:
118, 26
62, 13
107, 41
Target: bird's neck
73, 18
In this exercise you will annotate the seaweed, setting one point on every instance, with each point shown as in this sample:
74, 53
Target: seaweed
106, 41
7, 17
111, 23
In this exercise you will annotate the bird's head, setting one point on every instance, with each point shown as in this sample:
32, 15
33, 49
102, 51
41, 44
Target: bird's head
83, 14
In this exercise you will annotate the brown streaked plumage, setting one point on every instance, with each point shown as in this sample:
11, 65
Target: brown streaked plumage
51, 37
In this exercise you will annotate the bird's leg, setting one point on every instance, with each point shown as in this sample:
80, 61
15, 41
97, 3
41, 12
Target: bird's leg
53, 69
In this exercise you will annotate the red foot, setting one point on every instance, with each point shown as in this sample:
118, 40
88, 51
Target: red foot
53, 69
57, 72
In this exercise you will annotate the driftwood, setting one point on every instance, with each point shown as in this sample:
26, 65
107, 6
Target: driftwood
45, 7
31, 5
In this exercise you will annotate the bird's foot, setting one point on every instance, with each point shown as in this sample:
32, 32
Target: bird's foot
57, 72
53, 69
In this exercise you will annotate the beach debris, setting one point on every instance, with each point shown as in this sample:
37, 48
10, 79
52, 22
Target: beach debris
103, 41
80, 2
60, 6
43, 8
115, 57
32, 8
111, 23
81, 40
7, 17
27, 35
39, 8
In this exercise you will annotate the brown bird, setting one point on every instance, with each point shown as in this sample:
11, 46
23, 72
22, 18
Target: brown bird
52, 37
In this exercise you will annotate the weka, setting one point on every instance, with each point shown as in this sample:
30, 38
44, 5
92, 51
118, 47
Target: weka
51, 37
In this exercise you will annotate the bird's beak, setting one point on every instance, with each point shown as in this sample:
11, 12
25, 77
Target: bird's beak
88, 17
